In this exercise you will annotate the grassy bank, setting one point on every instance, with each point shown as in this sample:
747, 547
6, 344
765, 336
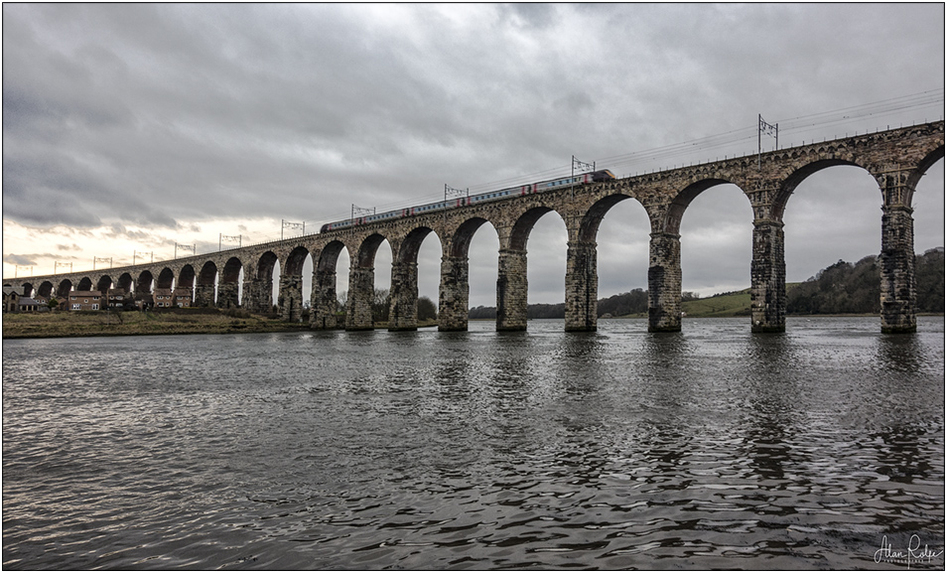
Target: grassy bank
98, 323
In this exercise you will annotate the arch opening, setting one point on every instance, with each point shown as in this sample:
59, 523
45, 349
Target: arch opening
620, 230
478, 241
45, 289
716, 237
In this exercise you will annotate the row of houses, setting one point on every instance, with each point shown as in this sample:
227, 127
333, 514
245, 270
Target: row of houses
14, 302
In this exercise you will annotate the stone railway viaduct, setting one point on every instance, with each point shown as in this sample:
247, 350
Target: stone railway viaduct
896, 158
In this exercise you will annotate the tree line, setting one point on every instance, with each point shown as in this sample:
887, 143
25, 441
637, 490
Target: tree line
854, 287
841, 288
631, 303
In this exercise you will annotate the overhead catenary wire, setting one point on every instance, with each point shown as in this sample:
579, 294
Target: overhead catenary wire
709, 143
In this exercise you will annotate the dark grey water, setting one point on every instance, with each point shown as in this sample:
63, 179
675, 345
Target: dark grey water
712, 448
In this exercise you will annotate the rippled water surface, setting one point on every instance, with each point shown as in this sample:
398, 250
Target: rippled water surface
710, 448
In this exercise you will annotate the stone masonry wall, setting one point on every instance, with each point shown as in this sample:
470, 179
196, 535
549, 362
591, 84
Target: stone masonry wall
768, 279
664, 283
897, 271
582, 287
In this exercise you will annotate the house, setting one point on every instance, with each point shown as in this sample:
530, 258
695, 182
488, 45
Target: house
28, 304
85, 300
181, 297
162, 298
144, 301
10, 298
118, 298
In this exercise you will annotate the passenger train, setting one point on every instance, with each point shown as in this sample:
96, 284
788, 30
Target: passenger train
538, 187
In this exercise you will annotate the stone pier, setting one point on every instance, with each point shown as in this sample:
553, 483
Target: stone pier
290, 300
359, 301
403, 304
897, 270
582, 286
228, 295
203, 295
323, 302
768, 279
512, 290
664, 283
453, 294
258, 295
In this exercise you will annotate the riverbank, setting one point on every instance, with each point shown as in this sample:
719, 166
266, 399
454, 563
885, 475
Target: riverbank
165, 322
102, 324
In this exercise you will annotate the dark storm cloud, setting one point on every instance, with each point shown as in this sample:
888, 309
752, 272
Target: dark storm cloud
163, 115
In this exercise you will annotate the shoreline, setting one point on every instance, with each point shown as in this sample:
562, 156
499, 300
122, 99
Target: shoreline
209, 322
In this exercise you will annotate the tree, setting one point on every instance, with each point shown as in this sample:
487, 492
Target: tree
427, 309
380, 304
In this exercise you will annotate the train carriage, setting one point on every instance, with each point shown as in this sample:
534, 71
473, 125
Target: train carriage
538, 187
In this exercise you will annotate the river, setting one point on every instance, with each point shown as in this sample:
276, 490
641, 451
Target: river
823, 447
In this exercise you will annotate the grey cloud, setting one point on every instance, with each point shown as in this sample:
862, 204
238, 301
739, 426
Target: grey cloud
33, 258
157, 114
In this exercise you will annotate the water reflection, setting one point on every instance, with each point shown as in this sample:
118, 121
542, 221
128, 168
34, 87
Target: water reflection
667, 374
900, 353
578, 358
712, 448
773, 415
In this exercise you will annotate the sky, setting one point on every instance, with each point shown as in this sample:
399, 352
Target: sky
130, 129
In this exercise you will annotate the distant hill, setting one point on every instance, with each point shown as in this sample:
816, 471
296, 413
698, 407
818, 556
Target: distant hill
854, 288
839, 289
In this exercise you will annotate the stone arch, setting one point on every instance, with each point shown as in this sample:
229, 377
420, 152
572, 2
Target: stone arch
324, 297
362, 284
45, 289
454, 292
125, 282
65, 286
295, 260
329, 256
85, 284
671, 222
411, 244
403, 307
790, 183
232, 268
143, 284
165, 279
205, 285
290, 300
228, 288
186, 277
460, 242
520, 232
260, 297
512, 283
582, 264
592, 219
104, 284
913, 179
365, 258
265, 265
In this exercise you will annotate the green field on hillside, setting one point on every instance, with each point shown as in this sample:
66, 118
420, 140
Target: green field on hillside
734, 304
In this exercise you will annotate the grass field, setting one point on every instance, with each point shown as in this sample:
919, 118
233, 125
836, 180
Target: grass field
730, 305
735, 304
